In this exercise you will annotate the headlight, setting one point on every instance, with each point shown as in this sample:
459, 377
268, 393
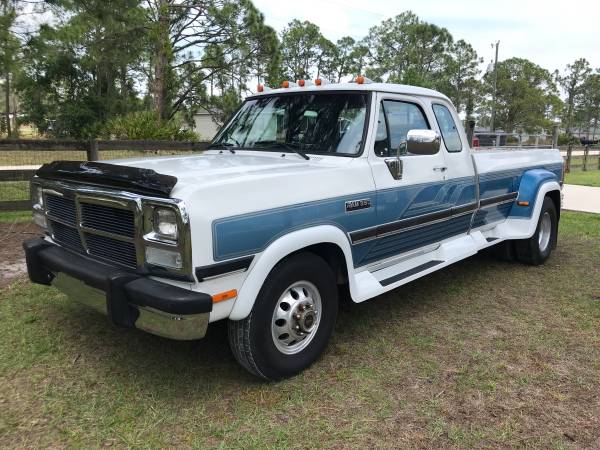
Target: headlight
37, 203
37, 199
165, 223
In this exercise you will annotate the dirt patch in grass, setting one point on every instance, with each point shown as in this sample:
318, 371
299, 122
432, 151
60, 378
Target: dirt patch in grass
482, 354
12, 259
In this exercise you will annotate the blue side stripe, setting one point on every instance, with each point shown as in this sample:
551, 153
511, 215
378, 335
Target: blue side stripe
251, 233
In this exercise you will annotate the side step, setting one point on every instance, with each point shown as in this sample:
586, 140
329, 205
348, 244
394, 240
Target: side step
410, 272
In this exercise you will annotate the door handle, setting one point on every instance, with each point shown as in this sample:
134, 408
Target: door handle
440, 168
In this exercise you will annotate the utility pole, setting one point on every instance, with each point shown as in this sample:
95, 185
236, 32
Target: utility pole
493, 124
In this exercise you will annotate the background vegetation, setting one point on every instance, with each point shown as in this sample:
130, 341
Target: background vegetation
88, 66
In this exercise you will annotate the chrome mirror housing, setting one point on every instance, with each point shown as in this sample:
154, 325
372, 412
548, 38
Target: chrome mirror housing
422, 142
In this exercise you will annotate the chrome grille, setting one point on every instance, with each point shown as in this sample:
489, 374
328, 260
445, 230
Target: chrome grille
72, 219
111, 249
105, 218
66, 236
62, 208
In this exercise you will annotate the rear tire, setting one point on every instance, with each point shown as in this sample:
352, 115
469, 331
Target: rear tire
536, 250
291, 321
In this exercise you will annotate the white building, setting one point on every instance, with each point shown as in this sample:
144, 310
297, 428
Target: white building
204, 125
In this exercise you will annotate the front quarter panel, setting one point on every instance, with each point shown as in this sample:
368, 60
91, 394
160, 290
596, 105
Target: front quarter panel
277, 251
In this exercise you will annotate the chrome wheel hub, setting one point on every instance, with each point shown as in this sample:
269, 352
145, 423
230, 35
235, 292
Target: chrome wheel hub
296, 317
545, 232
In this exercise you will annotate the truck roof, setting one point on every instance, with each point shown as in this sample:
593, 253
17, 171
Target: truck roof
378, 87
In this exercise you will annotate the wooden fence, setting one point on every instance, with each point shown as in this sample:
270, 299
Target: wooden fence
589, 157
13, 170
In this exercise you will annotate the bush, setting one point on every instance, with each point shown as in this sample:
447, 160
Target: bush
564, 139
146, 125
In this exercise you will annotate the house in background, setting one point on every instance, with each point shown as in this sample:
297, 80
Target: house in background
204, 125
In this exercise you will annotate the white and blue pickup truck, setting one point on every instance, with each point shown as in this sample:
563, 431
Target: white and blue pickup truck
307, 189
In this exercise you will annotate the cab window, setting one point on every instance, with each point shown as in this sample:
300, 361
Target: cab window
398, 118
448, 128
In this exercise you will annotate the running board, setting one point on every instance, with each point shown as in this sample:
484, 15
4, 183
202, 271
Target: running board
410, 272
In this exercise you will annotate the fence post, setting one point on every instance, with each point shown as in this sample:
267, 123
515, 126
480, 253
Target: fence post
92, 151
569, 151
586, 151
470, 131
555, 136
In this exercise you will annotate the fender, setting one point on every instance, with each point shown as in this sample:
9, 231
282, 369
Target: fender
523, 226
531, 182
279, 249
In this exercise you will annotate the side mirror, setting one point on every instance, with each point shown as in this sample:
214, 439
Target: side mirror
421, 142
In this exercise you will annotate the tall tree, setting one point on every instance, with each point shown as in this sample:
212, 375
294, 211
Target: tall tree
9, 48
301, 50
527, 96
82, 71
572, 81
407, 50
587, 107
459, 82
200, 45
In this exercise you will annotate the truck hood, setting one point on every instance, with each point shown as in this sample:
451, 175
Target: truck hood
214, 168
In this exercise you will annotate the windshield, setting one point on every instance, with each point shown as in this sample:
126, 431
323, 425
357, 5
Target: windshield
330, 123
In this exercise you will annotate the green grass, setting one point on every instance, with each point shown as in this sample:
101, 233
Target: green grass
14, 190
15, 216
482, 354
587, 178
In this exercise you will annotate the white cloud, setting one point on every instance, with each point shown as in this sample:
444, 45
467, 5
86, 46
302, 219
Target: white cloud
549, 33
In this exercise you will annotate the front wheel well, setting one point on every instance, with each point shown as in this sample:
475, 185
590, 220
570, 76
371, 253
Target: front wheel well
555, 197
333, 256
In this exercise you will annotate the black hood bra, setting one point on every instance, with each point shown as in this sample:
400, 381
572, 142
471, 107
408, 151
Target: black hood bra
131, 179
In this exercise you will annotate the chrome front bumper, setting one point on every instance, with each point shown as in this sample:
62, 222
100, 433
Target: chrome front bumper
126, 298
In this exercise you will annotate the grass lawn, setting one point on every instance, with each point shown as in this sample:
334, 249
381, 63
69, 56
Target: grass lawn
482, 354
15, 216
14, 190
588, 178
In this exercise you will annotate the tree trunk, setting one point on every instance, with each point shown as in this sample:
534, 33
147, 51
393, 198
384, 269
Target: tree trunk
161, 61
7, 104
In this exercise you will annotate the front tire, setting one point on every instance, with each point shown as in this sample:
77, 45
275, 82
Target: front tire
291, 321
537, 249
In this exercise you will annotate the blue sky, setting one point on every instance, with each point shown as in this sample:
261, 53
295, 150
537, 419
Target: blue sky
550, 33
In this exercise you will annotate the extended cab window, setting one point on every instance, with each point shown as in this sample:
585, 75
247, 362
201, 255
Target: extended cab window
448, 128
401, 118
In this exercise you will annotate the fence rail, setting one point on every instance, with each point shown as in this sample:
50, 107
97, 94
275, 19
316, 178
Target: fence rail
20, 158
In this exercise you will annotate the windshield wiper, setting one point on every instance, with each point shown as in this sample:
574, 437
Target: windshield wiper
224, 145
285, 146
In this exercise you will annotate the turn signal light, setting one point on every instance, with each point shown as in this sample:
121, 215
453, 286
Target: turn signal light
222, 296
523, 203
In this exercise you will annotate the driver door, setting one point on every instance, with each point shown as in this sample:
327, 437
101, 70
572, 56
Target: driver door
409, 208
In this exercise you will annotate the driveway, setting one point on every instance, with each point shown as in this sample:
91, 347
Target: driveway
581, 198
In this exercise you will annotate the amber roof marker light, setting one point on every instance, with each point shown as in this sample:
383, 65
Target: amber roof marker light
361, 79
288, 84
321, 81
303, 83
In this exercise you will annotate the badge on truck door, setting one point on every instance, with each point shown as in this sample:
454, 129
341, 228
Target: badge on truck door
353, 205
